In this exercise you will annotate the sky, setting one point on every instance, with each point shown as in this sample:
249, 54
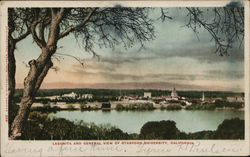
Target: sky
175, 58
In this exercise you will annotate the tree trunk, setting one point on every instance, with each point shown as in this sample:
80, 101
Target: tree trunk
11, 76
38, 70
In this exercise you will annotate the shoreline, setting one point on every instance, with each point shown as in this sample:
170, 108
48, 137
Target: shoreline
76, 107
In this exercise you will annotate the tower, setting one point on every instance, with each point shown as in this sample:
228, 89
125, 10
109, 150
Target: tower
203, 97
174, 93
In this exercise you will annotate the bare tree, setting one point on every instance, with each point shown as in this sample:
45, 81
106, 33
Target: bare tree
105, 26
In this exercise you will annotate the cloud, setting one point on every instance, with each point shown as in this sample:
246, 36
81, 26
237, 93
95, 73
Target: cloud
201, 54
93, 65
174, 39
106, 76
125, 59
108, 73
225, 74
204, 56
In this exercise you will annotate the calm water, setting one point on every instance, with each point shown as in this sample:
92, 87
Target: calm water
132, 121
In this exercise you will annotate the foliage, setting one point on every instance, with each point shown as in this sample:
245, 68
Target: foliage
83, 106
201, 135
41, 127
209, 94
140, 106
119, 107
204, 106
35, 126
13, 109
46, 109
221, 103
230, 129
173, 107
159, 130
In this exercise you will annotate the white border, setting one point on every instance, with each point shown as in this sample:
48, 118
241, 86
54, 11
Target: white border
247, 72
46, 148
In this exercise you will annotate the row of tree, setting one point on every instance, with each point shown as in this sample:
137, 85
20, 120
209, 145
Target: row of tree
123, 92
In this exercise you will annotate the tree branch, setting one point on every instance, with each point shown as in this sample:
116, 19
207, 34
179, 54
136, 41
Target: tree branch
223, 28
39, 42
54, 27
24, 35
42, 26
72, 28
77, 59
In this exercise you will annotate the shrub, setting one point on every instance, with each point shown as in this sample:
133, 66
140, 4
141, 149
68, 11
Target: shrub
120, 107
174, 107
208, 106
230, 129
221, 103
46, 109
40, 127
237, 105
59, 128
159, 130
201, 135
83, 107
205, 106
139, 106
163, 107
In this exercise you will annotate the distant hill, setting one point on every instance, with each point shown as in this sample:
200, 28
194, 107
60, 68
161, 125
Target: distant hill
129, 85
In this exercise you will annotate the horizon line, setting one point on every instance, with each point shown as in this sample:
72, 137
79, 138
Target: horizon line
142, 89
133, 86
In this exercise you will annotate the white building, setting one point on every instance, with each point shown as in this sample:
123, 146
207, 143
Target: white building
174, 93
50, 97
87, 96
147, 95
187, 103
54, 97
70, 95
127, 102
235, 99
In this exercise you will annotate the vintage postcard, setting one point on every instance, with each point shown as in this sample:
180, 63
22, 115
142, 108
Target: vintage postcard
124, 78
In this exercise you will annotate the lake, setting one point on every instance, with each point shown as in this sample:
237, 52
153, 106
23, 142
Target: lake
132, 121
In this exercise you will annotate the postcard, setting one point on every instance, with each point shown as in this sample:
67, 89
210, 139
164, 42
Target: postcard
124, 78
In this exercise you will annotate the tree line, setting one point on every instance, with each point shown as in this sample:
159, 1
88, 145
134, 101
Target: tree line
133, 92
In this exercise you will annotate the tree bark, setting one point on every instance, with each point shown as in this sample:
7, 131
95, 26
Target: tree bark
11, 71
38, 70
11, 66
